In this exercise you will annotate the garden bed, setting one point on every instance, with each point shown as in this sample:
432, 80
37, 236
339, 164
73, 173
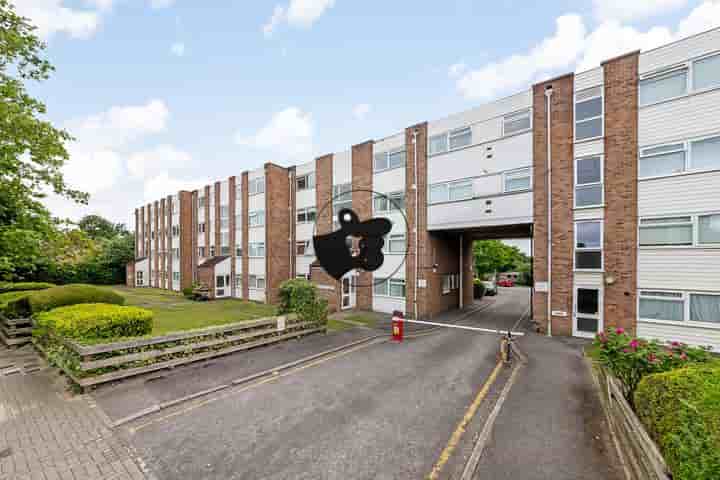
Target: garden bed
90, 365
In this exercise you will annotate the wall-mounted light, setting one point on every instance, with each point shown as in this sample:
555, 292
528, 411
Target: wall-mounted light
609, 279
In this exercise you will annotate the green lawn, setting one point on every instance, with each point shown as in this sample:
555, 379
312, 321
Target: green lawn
345, 321
173, 312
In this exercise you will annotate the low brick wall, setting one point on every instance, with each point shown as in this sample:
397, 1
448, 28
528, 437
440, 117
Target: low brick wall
15, 331
641, 456
90, 365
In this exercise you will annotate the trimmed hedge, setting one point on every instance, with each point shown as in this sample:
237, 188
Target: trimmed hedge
300, 296
92, 321
681, 411
44, 300
24, 286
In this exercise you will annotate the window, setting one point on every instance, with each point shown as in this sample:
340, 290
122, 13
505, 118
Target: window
460, 138
224, 211
176, 253
225, 238
439, 193
238, 283
380, 162
224, 224
704, 308
588, 182
516, 123
391, 202
238, 222
588, 245
438, 144
390, 287
397, 288
662, 160
139, 277
201, 252
460, 190
306, 182
387, 160
306, 215
661, 306
664, 86
706, 73
256, 249
225, 250
256, 185
705, 154
450, 281
588, 114
256, 282
201, 202
212, 250
517, 181
238, 251
256, 219
342, 197
302, 276
176, 276
201, 227
303, 248
396, 243
175, 230
709, 229
666, 231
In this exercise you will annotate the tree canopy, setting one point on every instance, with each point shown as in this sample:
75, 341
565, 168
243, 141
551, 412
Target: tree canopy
493, 256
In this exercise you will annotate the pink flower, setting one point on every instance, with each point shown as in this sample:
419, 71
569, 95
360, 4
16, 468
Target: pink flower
619, 330
634, 343
683, 356
626, 350
675, 344
651, 357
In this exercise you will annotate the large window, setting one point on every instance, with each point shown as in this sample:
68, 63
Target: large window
589, 114
706, 73
666, 231
389, 160
588, 245
517, 181
256, 185
256, 282
303, 247
395, 243
452, 140
588, 182
256, 249
460, 138
692, 155
705, 153
516, 123
450, 282
451, 191
388, 203
256, 219
390, 287
306, 182
679, 306
342, 198
663, 86
709, 229
306, 215
224, 211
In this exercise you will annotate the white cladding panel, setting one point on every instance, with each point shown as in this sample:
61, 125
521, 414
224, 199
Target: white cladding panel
302, 264
223, 268
342, 168
393, 266
506, 210
258, 172
390, 181
666, 332
256, 266
224, 191
691, 116
238, 265
679, 269
589, 213
304, 231
485, 112
680, 51
595, 147
684, 194
504, 154
589, 78
305, 198
143, 266
305, 168
588, 279
388, 304
256, 295
389, 143
399, 225
256, 202
256, 234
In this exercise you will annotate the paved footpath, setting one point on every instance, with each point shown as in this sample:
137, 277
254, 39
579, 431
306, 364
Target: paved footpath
46, 433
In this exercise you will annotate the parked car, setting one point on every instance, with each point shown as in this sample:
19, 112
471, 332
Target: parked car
506, 283
490, 287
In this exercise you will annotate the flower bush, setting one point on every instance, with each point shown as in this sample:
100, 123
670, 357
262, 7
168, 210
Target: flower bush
630, 359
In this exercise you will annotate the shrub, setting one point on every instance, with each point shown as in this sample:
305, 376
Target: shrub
681, 411
45, 300
188, 293
300, 296
630, 359
24, 286
92, 321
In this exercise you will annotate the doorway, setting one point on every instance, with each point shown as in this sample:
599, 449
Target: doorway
587, 312
222, 286
349, 291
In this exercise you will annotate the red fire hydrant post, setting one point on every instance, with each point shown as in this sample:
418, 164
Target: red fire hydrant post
397, 326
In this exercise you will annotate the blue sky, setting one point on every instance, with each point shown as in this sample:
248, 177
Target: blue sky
167, 94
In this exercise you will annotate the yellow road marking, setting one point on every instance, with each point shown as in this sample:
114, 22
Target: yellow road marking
469, 414
275, 376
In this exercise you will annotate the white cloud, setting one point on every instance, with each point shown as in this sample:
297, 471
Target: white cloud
289, 133
624, 10
177, 49
163, 185
92, 171
299, 13
457, 69
361, 110
51, 16
161, 158
703, 17
517, 71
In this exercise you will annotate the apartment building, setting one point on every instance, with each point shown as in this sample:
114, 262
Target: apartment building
613, 172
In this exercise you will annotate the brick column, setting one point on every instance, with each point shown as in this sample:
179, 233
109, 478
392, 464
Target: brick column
216, 239
137, 234
207, 221
426, 295
168, 255
143, 250
163, 242
277, 230
156, 243
194, 234
329, 287
621, 196
186, 239
245, 235
362, 184
293, 216
231, 207
562, 201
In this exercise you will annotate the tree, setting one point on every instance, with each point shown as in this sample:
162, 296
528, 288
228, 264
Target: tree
98, 227
494, 256
32, 151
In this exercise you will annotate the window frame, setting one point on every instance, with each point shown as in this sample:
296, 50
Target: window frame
665, 73
460, 132
601, 248
386, 281
395, 237
517, 173
686, 299
691, 80
254, 215
515, 116
455, 132
390, 200
601, 182
692, 223
386, 155
256, 245
305, 211
308, 178
589, 119
253, 285
256, 185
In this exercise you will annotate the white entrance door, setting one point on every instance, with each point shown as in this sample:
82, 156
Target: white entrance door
587, 314
349, 288
222, 286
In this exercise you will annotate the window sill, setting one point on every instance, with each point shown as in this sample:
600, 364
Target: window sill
388, 296
589, 207
681, 323
588, 270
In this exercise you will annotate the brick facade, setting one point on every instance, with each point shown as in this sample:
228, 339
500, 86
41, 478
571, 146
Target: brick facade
130, 274
232, 193
155, 276
362, 182
186, 240
168, 236
277, 230
562, 171
621, 172
329, 287
245, 236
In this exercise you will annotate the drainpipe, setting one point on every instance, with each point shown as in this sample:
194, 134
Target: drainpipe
417, 214
548, 97
460, 303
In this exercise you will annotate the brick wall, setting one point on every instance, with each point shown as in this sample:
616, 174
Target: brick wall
207, 221
206, 276
277, 230
362, 184
245, 235
186, 239
216, 223
163, 242
620, 225
130, 274
155, 276
231, 190
562, 201
329, 287
168, 256
293, 217
194, 234
137, 234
